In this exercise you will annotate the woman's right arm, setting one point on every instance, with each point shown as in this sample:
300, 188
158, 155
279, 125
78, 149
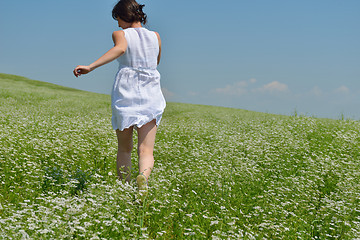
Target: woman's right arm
119, 49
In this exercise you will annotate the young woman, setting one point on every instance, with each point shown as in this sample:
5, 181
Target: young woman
136, 99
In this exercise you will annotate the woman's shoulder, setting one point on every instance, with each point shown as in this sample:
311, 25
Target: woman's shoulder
157, 34
118, 33
153, 32
118, 37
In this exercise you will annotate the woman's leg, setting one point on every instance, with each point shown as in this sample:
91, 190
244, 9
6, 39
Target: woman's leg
146, 141
123, 160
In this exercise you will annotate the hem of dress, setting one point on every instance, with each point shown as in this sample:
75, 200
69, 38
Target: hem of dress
139, 123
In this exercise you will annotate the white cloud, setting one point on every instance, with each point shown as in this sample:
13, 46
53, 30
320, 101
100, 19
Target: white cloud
243, 87
273, 87
237, 88
342, 89
316, 91
167, 93
191, 93
252, 80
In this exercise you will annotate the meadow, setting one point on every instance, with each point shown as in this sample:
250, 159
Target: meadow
220, 173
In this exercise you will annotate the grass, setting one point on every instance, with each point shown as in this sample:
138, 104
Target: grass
220, 173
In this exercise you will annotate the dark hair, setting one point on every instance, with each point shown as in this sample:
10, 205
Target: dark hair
129, 11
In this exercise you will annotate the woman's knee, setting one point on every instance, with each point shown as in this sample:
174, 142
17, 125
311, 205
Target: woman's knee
145, 151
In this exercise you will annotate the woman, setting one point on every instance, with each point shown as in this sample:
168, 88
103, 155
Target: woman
137, 100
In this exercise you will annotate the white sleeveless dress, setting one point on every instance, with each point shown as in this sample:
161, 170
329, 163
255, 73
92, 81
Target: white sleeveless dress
136, 97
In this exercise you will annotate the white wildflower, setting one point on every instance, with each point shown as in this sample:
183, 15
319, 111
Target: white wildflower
214, 222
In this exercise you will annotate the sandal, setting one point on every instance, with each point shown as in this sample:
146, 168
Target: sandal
142, 184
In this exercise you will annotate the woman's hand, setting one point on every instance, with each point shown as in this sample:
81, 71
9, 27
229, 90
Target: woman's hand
79, 70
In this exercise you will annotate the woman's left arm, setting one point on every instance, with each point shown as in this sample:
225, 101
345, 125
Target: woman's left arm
119, 49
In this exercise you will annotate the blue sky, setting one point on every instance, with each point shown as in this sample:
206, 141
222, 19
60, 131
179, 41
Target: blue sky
268, 56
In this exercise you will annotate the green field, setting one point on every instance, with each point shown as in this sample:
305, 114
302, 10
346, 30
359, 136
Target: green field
220, 173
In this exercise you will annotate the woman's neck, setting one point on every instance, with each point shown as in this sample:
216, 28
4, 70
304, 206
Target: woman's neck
133, 25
